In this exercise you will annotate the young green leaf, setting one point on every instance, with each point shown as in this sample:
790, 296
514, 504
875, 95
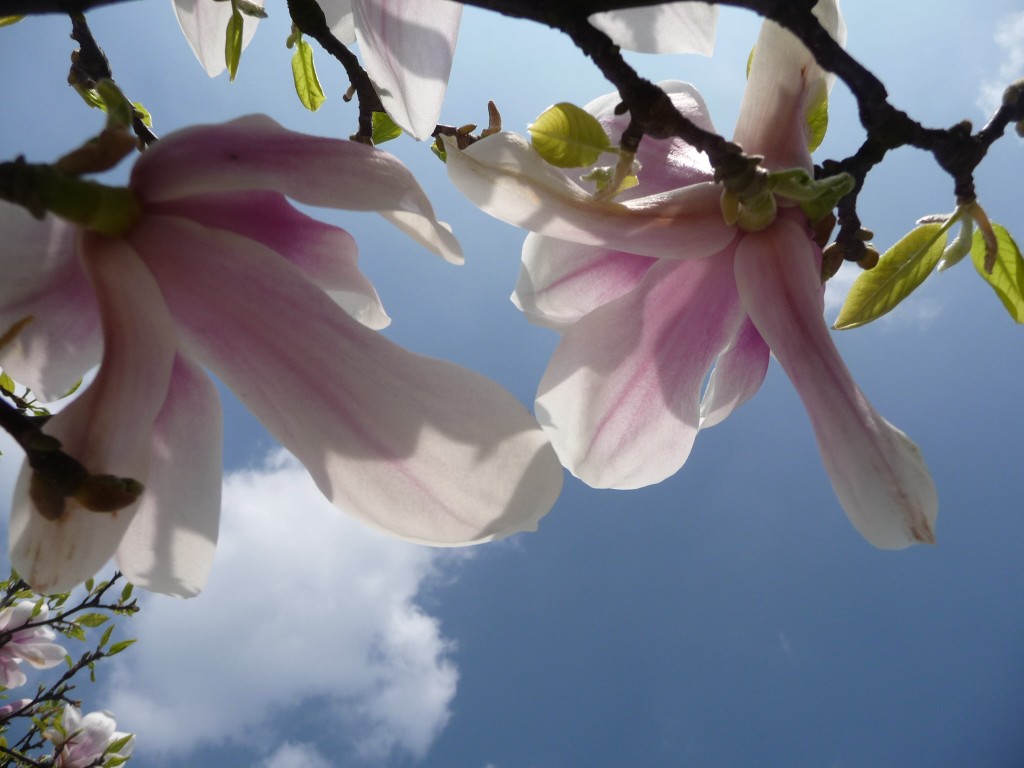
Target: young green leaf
91, 619
118, 647
233, 43
568, 137
8, 20
307, 86
899, 271
1007, 277
384, 128
817, 124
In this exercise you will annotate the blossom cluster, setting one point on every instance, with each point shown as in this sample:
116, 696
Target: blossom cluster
220, 273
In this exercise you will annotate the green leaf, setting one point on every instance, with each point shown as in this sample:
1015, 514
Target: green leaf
233, 43
118, 744
118, 647
817, 197
6, 21
143, 114
307, 86
91, 619
384, 128
899, 271
106, 637
1007, 278
568, 137
6, 382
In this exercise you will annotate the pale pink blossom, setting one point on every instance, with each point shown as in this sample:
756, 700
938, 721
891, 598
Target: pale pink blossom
407, 46
83, 741
652, 292
221, 272
20, 643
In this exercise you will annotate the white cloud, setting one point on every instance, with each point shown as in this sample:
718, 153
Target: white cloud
305, 610
291, 755
1009, 38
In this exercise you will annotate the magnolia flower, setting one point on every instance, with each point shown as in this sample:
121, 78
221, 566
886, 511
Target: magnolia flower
220, 271
83, 741
408, 45
32, 644
653, 292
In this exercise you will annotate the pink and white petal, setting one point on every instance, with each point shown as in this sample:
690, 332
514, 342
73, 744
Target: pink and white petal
255, 153
621, 396
681, 27
419, 448
205, 24
737, 375
560, 282
876, 471
784, 84
327, 255
107, 428
39, 655
43, 280
170, 543
339, 18
506, 178
408, 49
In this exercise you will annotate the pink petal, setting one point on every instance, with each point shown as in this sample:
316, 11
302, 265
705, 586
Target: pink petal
560, 282
170, 543
876, 471
107, 429
669, 28
416, 447
40, 655
737, 375
326, 255
621, 396
205, 24
506, 178
255, 153
408, 49
785, 83
43, 279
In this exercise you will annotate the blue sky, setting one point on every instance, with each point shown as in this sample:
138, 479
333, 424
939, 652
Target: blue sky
730, 616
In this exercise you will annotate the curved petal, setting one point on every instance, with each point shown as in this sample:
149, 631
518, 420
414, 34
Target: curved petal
107, 429
43, 280
326, 255
784, 85
170, 543
41, 655
669, 28
412, 446
205, 24
255, 153
408, 49
876, 471
339, 18
504, 176
621, 396
560, 282
665, 164
737, 375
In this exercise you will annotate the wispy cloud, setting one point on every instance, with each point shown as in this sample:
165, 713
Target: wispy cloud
292, 755
1009, 40
305, 610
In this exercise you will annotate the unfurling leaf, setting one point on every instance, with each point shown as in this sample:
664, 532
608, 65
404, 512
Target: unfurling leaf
233, 43
307, 86
817, 124
384, 128
899, 271
1007, 276
568, 137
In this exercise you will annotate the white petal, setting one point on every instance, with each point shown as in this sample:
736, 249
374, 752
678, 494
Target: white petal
685, 27
506, 178
255, 153
416, 447
339, 19
43, 279
621, 397
408, 49
170, 543
205, 24
876, 471
107, 429
560, 282
737, 375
